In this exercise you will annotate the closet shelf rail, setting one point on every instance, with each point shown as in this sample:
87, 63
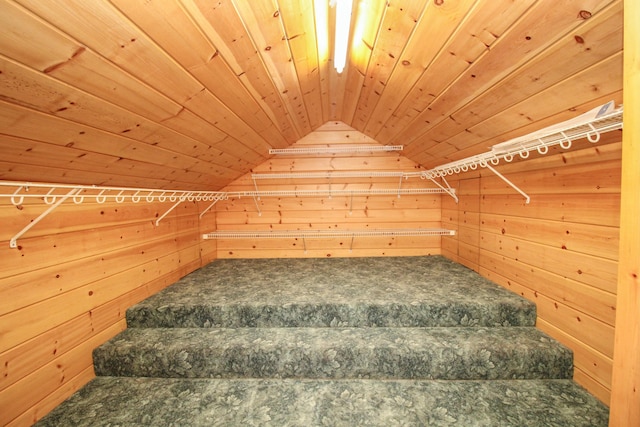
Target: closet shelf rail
327, 234
319, 234
330, 175
589, 125
350, 175
54, 195
336, 150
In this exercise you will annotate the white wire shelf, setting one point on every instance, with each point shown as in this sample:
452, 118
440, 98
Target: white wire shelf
589, 125
332, 175
339, 192
100, 194
54, 195
326, 234
336, 150
320, 234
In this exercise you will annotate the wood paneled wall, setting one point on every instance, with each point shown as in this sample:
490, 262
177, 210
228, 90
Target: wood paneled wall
65, 290
560, 250
625, 393
331, 213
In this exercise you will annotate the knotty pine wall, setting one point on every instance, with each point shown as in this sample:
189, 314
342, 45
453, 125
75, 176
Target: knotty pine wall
559, 251
66, 289
331, 213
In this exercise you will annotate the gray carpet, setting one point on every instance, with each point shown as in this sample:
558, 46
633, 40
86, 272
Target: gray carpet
417, 341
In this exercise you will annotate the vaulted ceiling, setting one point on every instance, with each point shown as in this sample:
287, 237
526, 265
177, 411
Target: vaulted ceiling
192, 94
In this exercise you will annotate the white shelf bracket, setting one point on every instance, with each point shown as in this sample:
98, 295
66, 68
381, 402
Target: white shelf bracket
181, 199
511, 184
255, 200
215, 200
351, 205
400, 186
450, 191
255, 185
13, 243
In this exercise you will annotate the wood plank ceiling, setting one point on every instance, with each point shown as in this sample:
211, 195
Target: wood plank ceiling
191, 94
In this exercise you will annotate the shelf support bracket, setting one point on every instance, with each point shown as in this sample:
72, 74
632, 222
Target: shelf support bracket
215, 200
255, 185
450, 191
351, 205
511, 184
13, 243
175, 205
255, 200
400, 186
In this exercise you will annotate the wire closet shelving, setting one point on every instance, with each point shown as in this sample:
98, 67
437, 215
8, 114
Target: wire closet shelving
327, 234
589, 125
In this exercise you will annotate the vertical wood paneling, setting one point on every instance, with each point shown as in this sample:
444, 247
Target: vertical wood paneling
625, 396
559, 251
65, 290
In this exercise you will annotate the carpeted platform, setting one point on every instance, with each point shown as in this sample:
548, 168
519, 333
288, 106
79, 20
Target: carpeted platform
341, 342
394, 292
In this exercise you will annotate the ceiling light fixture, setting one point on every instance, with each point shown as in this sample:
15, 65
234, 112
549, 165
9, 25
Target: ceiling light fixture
343, 26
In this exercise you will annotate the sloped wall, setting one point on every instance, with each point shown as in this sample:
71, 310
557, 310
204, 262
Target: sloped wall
331, 212
560, 250
65, 290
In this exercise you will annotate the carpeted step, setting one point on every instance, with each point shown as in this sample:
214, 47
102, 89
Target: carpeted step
376, 353
315, 315
109, 401
361, 292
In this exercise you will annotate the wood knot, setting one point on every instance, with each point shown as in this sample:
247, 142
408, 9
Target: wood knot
438, 2
584, 14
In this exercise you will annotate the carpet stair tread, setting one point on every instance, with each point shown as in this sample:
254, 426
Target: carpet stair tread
119, 401
376, 353
409, 341
393, 292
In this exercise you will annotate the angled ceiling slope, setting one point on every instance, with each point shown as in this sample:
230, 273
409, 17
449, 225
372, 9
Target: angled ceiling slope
192, 94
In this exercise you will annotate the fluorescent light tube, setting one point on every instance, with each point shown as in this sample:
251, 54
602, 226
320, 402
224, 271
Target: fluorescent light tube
343, 25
